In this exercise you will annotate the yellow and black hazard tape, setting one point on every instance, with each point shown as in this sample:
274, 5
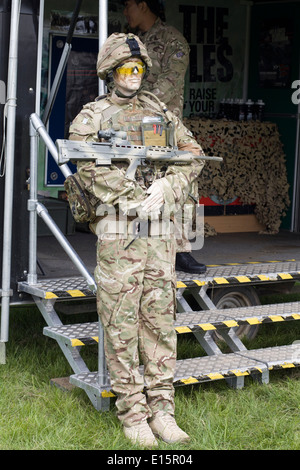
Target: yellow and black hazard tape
236, 323
195, 380
218, 376
68, 294
206, 326
84, 341
215, 376
232, 373
238, 280
89, 340
204, 378
107, 394
214, 281
269, 319
285, 365
250, 263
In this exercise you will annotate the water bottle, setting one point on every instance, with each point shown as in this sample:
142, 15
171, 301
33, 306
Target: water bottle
260, 107
249, 110
241, 110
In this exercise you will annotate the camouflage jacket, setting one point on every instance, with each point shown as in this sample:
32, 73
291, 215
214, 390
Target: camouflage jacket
109, 184
169, 52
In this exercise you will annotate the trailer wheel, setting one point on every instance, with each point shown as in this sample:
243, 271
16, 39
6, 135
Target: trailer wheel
237, 297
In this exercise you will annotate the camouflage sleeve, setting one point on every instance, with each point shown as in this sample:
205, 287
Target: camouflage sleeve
110, 185
166, 83
179, 180
177, 184
107, 183
185, 139
83, 126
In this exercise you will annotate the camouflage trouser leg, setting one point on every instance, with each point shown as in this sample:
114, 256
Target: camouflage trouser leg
136, 304
183, 221
182, 242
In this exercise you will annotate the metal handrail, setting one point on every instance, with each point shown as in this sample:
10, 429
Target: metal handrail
35, 208
9, 172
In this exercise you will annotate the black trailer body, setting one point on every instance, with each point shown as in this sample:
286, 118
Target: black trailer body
26, 87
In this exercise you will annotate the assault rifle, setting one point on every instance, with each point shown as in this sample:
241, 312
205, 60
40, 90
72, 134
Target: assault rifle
117, 148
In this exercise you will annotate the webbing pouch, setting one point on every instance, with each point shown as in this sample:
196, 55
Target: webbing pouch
83, 205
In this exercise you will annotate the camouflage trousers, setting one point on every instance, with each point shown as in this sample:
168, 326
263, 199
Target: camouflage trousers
136, 300
183, 222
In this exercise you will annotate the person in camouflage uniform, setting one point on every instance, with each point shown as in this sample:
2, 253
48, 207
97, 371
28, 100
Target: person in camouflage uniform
167, 49
169, 53
136, 283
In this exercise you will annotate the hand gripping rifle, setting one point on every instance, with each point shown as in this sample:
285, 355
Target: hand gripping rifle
116, 148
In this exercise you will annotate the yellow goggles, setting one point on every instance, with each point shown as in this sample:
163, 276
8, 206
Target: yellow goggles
128, 68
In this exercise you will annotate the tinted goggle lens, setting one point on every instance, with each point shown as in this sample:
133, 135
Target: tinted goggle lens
131, 67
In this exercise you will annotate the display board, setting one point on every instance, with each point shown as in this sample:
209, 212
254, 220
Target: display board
216, 33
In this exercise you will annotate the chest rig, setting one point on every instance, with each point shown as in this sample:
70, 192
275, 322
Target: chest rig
144, 125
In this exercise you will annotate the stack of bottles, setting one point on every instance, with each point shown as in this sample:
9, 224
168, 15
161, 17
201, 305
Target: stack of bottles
239, 110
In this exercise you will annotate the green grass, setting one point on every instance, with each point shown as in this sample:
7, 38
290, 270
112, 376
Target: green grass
35, 415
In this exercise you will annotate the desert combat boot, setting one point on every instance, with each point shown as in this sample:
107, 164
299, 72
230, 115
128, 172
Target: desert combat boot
141, 435
164, 426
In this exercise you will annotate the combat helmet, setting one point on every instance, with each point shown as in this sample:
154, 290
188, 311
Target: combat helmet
117, 48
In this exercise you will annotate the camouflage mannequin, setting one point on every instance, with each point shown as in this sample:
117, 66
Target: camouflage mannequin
169, 53
136, 283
